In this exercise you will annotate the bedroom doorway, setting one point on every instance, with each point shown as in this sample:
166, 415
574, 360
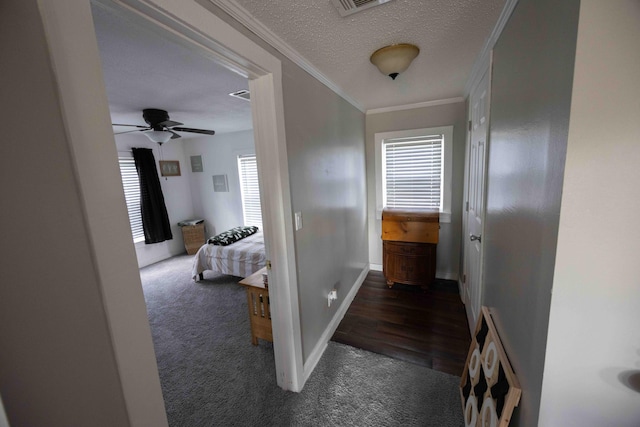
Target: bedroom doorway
83, 104
286, 371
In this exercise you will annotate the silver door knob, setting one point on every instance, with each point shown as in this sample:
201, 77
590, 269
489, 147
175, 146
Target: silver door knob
473, 237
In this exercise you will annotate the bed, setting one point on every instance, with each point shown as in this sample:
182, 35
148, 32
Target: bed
240, 259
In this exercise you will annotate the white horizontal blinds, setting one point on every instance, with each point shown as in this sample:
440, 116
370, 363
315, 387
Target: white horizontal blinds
412, 172
250, 190
131, 186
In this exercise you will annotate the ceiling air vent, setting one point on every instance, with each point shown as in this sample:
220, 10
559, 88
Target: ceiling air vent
347, 7
244, 94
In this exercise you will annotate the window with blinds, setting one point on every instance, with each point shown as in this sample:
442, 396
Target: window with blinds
131, 186
250, 190
412, 172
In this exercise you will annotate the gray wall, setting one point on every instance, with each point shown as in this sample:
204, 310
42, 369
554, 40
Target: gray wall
530, 102
325, 146
220, 210
57, 364
592, 367
448, 256
326, 152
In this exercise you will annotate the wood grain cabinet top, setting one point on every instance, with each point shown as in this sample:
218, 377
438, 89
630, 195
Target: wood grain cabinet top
416, 225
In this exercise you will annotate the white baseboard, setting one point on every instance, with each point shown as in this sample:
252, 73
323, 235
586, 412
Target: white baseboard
449, 275
319, 349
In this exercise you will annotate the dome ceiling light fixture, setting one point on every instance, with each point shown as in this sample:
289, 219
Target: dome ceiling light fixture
159, 136
394, 59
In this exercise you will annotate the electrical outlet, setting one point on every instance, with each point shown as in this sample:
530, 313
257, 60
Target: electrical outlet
333, 295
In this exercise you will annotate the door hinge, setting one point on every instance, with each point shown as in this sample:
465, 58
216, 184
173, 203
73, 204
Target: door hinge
464, 278
269, 265
469, 124
466, 206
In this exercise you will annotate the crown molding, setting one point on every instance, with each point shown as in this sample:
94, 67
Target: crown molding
482, 60
416, 105
243, 16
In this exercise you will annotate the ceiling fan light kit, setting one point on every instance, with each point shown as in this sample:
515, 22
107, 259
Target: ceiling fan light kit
159, 136
394, 59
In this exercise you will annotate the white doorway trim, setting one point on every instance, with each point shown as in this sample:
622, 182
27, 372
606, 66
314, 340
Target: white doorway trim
275, 199
200, 27
75, 58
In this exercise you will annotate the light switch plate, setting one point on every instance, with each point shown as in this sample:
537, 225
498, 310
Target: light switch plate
298, 219
333, 295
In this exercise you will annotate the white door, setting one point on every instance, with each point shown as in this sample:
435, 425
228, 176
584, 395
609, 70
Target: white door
472, 279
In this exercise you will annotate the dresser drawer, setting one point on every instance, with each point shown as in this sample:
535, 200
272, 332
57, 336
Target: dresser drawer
409, 263
402, 248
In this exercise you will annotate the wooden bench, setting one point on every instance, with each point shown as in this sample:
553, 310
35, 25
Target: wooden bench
259, 307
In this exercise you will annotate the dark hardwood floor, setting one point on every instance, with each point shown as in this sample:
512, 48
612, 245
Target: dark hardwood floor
427, 328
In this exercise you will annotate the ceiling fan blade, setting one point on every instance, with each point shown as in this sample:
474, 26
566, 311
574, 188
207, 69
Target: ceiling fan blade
202, 131
135, 126
129, 131
173, 134
169, 123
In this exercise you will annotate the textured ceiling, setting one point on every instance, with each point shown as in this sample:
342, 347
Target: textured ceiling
449, 33
144, 67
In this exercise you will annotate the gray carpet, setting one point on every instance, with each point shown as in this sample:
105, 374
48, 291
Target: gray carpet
211, 375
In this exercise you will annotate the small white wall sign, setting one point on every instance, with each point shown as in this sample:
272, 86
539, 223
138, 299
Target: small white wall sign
220, 183
196, 164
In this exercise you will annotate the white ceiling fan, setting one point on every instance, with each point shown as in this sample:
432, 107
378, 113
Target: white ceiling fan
160, 128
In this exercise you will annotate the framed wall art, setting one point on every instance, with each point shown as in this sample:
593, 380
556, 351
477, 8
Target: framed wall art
196, 164
220, 183
169, 167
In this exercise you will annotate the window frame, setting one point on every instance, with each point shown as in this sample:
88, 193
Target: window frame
447, 164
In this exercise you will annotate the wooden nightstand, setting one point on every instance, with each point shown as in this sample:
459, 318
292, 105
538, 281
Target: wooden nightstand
193, 235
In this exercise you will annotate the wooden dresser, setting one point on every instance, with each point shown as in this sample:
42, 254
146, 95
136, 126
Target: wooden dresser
409, 240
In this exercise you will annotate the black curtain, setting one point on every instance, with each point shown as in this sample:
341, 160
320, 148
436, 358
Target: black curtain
155, 220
